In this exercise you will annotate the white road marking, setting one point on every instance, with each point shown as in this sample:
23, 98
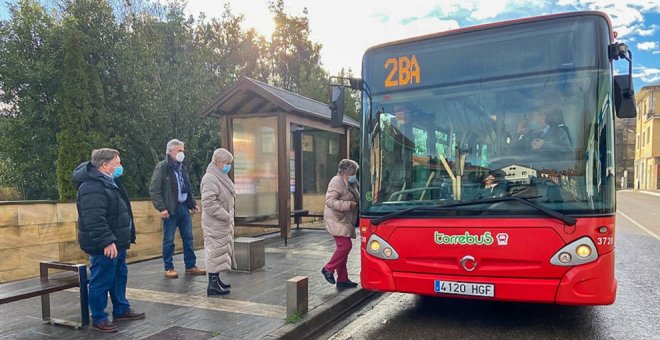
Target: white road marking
639, 225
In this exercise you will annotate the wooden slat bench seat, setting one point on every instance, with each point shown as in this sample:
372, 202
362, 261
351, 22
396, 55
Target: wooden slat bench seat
74, 275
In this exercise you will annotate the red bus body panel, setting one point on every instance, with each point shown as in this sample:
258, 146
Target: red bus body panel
518, 265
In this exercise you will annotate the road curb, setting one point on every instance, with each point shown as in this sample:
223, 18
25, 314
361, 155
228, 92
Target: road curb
323, 315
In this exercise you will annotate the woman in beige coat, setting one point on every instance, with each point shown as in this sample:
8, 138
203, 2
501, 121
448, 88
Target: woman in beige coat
340, 215
218, 220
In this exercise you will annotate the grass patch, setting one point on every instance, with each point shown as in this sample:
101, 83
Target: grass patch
295, 317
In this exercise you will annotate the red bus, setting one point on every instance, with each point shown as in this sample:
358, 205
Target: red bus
487, 161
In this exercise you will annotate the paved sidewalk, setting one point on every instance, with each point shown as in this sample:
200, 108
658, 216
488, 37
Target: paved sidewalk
180, 309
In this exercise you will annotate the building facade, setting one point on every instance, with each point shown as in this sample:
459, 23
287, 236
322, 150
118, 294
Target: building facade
647, 147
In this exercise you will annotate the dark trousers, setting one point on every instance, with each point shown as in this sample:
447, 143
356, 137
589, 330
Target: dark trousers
108, 276
339, 258
183, 220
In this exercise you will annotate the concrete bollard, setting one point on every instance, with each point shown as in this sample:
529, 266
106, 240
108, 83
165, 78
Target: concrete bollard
249, 253
297, 299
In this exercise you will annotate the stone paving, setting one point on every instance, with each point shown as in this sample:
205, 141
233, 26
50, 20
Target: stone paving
180, 309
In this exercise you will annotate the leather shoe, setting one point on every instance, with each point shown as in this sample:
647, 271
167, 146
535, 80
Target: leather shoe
104, 326
131, 314
328, 276
171, 274
347, 284
195, 271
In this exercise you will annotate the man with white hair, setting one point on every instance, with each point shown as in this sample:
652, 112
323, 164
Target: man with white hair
171, 194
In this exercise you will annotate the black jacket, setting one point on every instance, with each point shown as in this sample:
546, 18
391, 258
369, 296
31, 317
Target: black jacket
104, 211
163, 187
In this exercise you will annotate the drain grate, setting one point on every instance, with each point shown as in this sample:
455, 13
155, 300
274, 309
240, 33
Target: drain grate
182, 333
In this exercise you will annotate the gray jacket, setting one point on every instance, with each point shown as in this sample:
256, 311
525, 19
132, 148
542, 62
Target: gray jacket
163, 188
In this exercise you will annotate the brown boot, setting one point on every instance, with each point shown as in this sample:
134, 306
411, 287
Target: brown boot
104, 326
196, 271
171, 274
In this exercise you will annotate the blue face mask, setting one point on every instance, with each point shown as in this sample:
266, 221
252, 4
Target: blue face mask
226, 168
118, 171
533, 125
352, 179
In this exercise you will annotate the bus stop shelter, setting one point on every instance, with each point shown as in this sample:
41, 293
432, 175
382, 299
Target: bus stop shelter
285, 151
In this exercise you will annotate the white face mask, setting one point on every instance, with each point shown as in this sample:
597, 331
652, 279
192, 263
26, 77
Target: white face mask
179, 157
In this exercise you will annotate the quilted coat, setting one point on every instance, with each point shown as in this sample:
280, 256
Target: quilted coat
218, 220
341, 208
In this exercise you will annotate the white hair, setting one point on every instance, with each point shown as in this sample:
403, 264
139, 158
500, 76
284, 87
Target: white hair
171, 144
348, 167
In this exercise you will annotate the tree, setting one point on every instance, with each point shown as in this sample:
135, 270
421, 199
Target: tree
29, 52
75, 138
295, 59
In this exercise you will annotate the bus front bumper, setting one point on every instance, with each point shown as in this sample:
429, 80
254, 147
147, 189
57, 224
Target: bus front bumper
588, 284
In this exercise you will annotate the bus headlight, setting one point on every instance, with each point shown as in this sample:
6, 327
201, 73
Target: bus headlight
380, 248
374, 245
580, 251
583, 251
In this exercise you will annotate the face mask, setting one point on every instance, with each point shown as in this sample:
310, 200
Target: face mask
352, 179
118, 171
179, 157
533, 125
226, 168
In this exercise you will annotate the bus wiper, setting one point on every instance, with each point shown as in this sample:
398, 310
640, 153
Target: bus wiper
524, 200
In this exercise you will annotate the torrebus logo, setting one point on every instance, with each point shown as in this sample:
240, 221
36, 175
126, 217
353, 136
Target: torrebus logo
478, 240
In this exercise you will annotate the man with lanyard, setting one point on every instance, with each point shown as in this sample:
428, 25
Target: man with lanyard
171, 194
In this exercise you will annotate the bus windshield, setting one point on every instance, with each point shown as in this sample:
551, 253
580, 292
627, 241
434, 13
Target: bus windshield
504, 111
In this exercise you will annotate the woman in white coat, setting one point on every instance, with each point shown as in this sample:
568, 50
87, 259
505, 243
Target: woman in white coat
218, 194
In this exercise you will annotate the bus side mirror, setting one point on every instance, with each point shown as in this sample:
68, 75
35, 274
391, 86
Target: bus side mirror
624, 92
336, 106
624, 97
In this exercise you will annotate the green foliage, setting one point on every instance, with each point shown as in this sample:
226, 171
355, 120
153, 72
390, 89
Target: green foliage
28, 78
131, 76
295, 317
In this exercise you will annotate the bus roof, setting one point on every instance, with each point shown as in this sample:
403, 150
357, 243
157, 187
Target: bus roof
494, 25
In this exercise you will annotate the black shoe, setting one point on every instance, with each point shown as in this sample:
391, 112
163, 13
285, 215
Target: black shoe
222, 284
104, 326
214, 287
131, 314
328, 276
347, 284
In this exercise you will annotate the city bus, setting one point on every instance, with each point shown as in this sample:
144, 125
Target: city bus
487, 160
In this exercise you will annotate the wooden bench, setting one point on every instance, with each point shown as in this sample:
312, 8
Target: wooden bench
75, 275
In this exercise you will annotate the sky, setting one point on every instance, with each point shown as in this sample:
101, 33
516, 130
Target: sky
346, 28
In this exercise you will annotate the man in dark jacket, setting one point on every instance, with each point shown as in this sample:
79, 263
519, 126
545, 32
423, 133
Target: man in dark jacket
105, 232
171, 194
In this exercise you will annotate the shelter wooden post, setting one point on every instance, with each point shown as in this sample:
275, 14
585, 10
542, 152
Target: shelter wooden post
283, 191
344, 143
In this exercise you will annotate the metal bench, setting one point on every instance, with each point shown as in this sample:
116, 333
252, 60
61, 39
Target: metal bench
45, 285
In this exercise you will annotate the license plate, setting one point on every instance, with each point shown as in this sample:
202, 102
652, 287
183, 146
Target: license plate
465, 288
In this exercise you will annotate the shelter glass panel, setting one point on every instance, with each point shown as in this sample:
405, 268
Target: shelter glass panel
255, 168
320, 157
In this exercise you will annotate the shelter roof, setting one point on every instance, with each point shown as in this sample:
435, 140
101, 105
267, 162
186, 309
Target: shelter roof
252, 96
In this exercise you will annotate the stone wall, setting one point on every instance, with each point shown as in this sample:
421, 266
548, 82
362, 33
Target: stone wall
36, 231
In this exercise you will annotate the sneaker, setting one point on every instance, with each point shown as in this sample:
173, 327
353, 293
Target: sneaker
171, 274
328, 275
131, 314
104, 326
347, 284
195, 271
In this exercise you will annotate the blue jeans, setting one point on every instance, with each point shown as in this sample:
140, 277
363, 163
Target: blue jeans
181, 219
108, 276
